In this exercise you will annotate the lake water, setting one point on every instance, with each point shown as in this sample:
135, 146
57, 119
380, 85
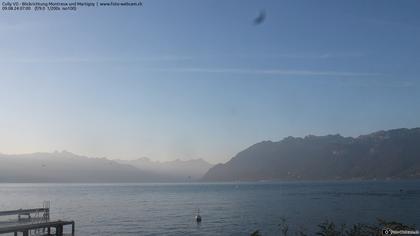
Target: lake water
227, 208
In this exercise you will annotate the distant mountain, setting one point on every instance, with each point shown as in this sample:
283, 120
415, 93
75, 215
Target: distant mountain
175, 170
380, 155
68, 167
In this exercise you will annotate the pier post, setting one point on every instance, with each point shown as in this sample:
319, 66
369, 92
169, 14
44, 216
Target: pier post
26, 233
59, 230
72, 229
47, 213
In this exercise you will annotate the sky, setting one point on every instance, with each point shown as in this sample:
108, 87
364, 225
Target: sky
198, 79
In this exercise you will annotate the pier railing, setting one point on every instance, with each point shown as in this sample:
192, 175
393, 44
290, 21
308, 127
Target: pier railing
30, 214
33, 221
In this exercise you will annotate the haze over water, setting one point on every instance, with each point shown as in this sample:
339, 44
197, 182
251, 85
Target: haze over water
226, 208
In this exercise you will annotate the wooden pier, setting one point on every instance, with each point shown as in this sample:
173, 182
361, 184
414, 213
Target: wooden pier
33, 222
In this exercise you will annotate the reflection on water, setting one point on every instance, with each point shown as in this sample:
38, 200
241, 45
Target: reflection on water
226, 208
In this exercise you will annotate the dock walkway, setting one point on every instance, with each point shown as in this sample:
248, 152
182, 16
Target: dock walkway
33, 222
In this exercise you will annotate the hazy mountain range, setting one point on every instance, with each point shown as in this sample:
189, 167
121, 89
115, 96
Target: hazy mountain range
380, 155
176, 170
68, 167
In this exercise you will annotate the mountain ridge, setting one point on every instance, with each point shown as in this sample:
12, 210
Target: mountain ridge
65, 166
382, 154
192, 169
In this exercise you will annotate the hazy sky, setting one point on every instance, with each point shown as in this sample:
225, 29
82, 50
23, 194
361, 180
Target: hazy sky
197, 79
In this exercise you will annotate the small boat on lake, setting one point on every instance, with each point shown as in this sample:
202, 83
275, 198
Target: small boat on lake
198, 217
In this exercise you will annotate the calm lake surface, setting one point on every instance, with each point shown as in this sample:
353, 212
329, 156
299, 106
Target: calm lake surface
227, 208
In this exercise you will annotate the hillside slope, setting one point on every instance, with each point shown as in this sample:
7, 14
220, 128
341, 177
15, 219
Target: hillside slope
380, 155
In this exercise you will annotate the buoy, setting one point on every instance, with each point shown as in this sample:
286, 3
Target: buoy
198, 217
